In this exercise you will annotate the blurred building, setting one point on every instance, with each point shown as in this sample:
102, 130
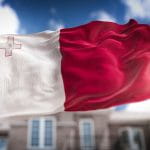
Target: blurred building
96, 130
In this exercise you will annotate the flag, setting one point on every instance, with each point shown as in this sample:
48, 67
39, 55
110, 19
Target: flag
92, 66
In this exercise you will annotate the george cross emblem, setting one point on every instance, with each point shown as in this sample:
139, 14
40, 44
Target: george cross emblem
9, 46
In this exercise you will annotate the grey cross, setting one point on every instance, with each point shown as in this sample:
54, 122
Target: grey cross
9, 46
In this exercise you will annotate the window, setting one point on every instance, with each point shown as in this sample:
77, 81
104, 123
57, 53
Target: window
132, 138
42, 133
3, 143
48, 139
35, 133
87, 136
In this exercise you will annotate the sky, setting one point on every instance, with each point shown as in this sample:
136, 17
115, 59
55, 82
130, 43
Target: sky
30, 16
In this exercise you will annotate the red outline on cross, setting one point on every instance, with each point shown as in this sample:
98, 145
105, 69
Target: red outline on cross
9, 40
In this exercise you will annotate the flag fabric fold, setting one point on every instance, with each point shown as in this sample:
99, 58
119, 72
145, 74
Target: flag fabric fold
93, 66
30, 77
105, 64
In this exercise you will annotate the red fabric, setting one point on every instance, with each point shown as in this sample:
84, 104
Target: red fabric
105, 64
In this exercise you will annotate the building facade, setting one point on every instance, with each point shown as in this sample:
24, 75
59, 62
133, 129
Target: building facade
96, 130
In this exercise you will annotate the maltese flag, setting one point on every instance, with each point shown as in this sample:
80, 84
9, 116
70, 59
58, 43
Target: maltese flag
92, 66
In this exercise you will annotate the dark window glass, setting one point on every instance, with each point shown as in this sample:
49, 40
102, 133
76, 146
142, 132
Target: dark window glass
48, 133
35, 133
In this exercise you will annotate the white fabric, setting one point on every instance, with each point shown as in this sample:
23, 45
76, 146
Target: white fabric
30, 78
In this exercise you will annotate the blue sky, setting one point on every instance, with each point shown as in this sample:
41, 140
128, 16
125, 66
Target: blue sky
39, 15
29, 16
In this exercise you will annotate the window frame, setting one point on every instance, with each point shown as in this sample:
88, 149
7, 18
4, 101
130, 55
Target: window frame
42, 134
81, 133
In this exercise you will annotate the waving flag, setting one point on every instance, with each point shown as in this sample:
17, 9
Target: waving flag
92, 66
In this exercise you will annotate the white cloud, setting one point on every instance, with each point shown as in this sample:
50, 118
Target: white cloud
1, 1
9, 21
137, 9
103, 16
55, 24
143, 106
